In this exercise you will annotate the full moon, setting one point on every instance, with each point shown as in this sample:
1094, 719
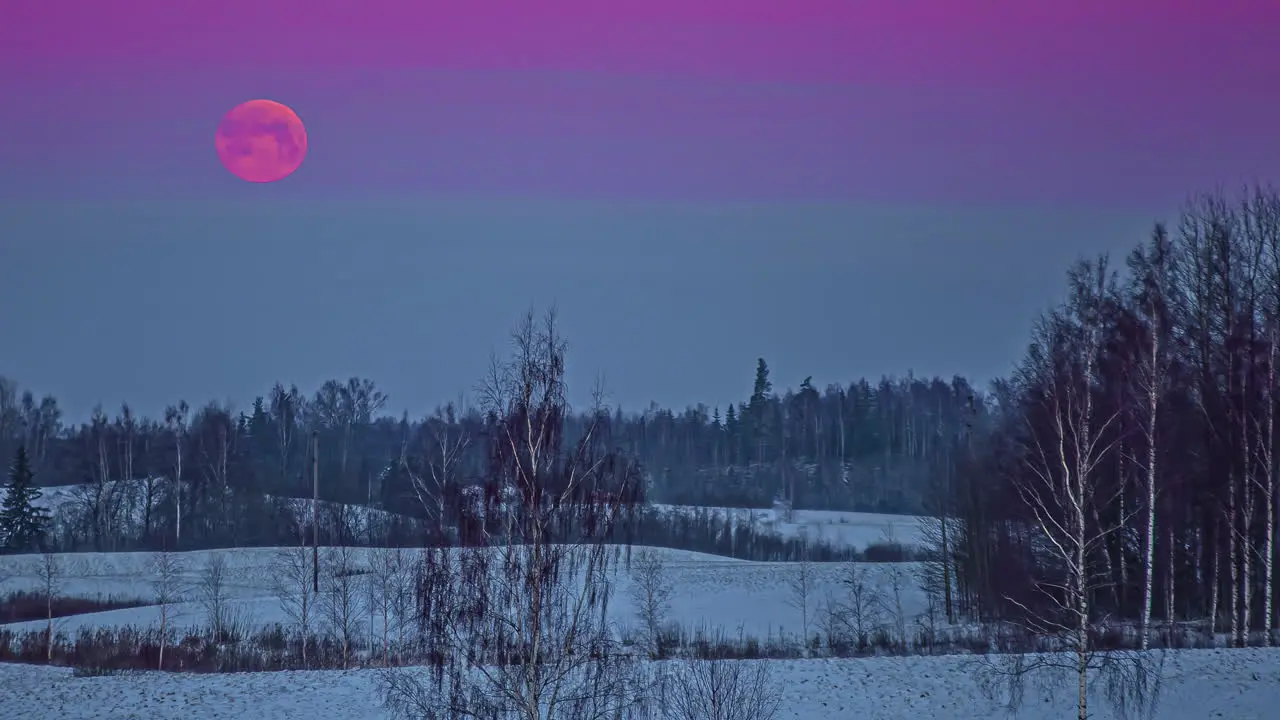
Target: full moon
261, 141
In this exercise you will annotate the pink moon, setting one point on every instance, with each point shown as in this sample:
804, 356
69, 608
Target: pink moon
261, 141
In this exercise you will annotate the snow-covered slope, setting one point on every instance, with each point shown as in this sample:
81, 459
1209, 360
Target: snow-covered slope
713, 594
840, 528
1200, 685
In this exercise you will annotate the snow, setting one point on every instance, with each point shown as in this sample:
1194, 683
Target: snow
1199, 685
67, 504
840, 528
715, 593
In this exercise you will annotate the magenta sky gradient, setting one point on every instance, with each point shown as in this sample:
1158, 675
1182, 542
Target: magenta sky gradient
920, 170
912, 100
877, 41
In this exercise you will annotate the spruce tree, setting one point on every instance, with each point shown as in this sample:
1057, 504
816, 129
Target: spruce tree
22, 523
731, 432
759, 409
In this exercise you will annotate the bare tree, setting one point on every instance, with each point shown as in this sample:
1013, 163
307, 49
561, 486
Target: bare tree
286, 409
98, 501
1151, 269
831, 622
49, 572
720, 689
384, 574
176, 419
934, 575
444, 444
291, 576
342, 599
861, 609
936, 535
214, 595
403, 585
800, 584
1066, 443
361, 400
515, 623
651, 591
1262, 222
891, 601
167, 583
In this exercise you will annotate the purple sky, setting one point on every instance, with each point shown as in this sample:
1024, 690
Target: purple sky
921, 170
914, 100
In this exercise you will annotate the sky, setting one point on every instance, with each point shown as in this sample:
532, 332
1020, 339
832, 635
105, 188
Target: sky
843, 187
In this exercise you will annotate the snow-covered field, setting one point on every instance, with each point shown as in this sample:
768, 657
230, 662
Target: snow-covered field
1199, 685
68, 505
837, 527
713, 593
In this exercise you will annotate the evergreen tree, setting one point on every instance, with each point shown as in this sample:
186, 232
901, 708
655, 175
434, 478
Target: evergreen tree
731, 432
761, 390
21, 522
759, 409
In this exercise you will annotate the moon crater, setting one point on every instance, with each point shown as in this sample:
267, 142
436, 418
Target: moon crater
261, 141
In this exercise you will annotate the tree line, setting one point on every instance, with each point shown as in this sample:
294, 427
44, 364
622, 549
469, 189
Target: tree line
1126, 471
211, 472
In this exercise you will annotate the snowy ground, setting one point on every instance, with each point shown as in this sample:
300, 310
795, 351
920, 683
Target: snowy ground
1199, 685
713, 593
68, 503
840, 528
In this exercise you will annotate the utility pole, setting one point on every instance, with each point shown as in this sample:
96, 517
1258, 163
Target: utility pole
315, 511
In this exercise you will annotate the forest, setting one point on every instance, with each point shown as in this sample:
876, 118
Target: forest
1126, 469
863, 446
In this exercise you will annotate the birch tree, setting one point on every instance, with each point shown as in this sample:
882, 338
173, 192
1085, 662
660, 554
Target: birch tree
176, 418
342, 599
1065, 445
1262, 223
800, 585
651, 592
518, 628
214, 596
444, 445
1150, 272
292, 580
50, 574
167, 584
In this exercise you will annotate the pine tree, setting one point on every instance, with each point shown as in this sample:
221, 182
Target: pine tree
759, 409
731, 433
22, 523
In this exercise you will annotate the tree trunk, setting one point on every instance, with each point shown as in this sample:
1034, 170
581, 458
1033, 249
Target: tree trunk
1246, 515
48, 628
1215, 582
1170, 611
1148, 564
1081, 600
177, 491
1268, 485
164, 616
1233, 560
